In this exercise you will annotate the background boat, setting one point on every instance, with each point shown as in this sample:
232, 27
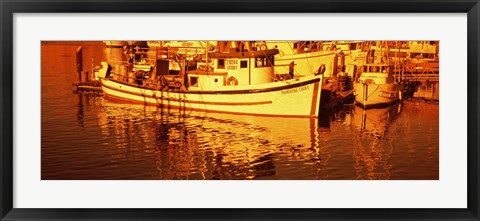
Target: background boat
376, 86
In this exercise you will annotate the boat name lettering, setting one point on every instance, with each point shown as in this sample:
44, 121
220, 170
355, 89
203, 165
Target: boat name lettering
295, 90
231, 64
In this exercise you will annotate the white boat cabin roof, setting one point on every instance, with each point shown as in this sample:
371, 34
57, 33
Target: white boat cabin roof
244, 54
376, 68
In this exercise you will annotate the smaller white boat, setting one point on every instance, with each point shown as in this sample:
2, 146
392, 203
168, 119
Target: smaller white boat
376, 86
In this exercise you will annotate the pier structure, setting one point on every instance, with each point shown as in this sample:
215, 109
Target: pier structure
86, 81
415, 64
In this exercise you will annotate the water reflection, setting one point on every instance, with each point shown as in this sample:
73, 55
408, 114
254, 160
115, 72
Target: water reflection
373, 146
85, 100
198, 145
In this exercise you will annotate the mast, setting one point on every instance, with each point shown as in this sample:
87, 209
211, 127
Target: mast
207, 66
396, 59
381, 51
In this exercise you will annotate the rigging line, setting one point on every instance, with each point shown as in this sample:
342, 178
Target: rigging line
308, 60
295, 53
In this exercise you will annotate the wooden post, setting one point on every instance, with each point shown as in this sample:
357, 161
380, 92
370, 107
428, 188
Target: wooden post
335, 66
342, 62
365, 95
291, 69
79, 63
92, 72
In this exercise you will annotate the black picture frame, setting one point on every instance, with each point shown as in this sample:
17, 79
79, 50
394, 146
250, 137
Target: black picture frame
9, 7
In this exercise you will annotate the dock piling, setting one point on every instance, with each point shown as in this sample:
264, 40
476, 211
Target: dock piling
79, 55
86, 81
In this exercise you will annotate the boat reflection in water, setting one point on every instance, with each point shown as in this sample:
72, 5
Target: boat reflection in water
199, 145
145, 142
373, 145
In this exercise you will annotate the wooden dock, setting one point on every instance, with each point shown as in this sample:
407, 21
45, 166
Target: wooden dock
95, 86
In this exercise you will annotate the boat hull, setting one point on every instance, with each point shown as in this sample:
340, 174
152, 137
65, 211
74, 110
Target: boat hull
376, 95
292, 98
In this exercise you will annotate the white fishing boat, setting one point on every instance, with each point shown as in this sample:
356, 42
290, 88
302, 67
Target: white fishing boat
376, 86
240, 82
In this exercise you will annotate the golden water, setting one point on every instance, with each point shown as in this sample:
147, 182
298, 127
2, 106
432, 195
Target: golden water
85, 136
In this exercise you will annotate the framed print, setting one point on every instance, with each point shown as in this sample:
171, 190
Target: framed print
239, 110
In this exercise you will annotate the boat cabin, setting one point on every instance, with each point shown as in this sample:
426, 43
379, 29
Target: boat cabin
424, 50
376, 68
234, 68
377, 73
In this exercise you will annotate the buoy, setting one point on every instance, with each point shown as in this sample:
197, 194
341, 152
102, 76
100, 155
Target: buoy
232, 81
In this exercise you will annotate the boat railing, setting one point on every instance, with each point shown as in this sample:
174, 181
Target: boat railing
125, 78
420, 76
417, 71
170, 81
173, 52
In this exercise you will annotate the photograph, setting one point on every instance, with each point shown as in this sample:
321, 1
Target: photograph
228, 110
240, 110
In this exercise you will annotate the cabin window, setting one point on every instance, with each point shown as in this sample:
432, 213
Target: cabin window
416, 55
243, 64
221, 64
194, 81
270, 61
264, 62
259, 62
353, 47
173, 72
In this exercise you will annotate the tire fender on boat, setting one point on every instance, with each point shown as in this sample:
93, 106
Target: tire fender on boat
138, 77
140, 73
231, 81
